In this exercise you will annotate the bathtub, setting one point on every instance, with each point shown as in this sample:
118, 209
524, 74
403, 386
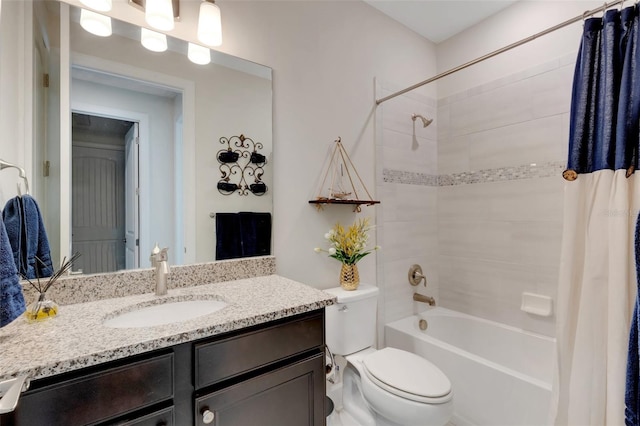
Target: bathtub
500, 375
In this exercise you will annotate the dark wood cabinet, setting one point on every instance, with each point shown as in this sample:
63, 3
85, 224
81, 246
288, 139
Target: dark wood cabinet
270, 374
284, 397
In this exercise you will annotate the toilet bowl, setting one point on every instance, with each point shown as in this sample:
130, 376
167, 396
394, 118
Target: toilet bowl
398, 387
386, 387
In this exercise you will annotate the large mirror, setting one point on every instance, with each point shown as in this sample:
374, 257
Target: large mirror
141, 162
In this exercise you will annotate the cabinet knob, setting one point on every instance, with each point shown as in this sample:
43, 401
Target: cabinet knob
207, 416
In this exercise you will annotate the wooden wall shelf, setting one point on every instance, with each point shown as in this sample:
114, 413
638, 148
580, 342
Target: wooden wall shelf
340, 168
356, 203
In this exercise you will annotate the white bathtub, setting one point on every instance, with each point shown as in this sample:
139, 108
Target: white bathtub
500, 375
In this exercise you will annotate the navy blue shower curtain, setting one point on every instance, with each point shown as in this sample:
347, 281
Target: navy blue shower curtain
605, 103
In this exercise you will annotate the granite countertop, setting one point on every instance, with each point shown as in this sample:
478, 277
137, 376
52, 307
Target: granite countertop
77, 338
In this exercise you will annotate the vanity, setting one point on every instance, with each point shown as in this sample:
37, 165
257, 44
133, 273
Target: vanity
257, 361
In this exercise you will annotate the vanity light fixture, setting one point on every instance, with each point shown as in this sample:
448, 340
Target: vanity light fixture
152, 40
159, 14
99, 5
95, 23
209, 23
198, 54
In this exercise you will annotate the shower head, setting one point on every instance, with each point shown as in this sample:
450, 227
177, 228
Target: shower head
425, 121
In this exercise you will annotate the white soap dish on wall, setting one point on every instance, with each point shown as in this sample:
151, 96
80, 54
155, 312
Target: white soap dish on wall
537, 304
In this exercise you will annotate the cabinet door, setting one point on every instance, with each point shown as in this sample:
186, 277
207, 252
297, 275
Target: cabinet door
289, 396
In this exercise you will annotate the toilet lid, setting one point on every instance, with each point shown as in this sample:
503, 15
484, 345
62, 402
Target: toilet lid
407, 375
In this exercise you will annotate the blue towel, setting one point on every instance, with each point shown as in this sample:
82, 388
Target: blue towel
11, 297
28, 238
632, 391
255, 229
228, 243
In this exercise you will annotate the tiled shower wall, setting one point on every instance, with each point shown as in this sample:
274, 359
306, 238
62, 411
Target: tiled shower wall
406, 182
501, 151
484, 220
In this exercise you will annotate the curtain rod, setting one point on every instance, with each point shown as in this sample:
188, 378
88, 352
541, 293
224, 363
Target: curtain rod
502, 50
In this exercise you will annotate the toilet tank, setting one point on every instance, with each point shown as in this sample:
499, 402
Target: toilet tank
351, 323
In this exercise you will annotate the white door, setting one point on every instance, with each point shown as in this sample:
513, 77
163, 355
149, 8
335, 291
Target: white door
132, 199
97, 207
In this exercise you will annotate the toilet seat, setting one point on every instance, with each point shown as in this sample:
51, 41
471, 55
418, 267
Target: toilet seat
407, 375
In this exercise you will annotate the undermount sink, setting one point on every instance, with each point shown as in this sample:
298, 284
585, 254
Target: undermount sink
163, 313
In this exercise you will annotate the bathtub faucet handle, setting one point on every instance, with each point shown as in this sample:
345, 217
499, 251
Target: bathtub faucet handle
416, 275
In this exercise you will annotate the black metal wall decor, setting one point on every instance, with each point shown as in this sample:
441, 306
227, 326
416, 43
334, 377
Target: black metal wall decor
241, 166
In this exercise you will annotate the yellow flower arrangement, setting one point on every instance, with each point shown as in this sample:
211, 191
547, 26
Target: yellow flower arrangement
349, 246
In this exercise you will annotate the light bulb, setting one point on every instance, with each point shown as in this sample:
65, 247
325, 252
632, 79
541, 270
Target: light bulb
209, 24
95, 23
99, 5
159, 14
154, 41
199, 54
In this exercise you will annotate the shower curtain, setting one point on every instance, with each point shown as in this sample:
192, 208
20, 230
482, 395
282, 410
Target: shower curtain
597, 280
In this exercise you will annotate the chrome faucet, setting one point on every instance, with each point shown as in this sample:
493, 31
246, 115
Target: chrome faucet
160, 261
417, 297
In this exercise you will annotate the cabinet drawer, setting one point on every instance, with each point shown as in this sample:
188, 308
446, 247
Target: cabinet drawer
226, 358
289, 396
159, 418
98, 397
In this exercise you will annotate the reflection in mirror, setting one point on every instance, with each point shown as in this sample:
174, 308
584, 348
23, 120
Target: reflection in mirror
145, 130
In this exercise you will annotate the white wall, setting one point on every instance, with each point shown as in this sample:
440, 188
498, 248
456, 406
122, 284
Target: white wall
13, 93
325, 56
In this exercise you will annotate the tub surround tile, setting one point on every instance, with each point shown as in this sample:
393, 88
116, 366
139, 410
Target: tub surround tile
492, 289
77, 338
533, 141
409, 153
568, 59
496, 228
492, 109
552, 91
87, 288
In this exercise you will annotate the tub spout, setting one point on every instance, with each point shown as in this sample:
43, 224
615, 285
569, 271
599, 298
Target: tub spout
424, 299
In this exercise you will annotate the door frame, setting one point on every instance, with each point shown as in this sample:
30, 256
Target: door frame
132, 194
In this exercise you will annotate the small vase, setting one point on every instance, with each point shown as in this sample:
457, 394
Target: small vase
349, 277
42, 309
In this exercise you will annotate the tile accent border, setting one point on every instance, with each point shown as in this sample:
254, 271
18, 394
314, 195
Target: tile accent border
500, 174
409, 178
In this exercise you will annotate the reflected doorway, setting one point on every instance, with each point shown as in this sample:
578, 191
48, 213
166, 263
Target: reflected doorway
104, 195
158, 111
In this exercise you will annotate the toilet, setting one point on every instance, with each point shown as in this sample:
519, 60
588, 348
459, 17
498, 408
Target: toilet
386, 387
